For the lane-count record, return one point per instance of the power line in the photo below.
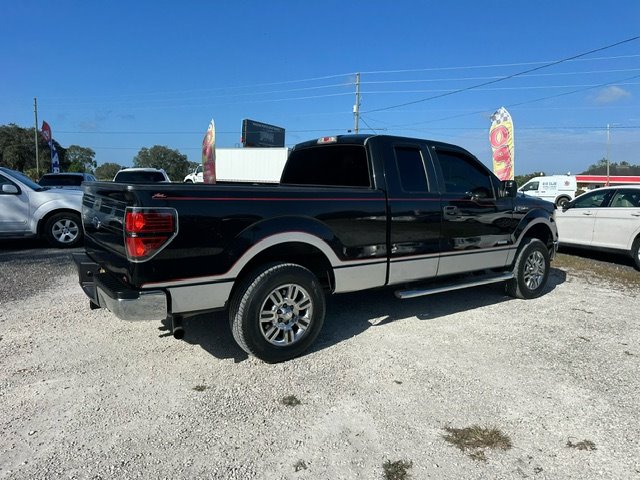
(478, 112)
(502, 79)
(450, 79)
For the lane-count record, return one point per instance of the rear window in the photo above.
(328, 165)
(61, 180)
(139, 177)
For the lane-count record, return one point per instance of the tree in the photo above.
(107, 171)
(522, 179)
(18, 150)
(81, 159)
(622, 168)
(171, 161)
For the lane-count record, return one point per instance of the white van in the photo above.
(559, 189)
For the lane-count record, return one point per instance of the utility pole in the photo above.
(356, 107)
(35, 136)
(608, 148)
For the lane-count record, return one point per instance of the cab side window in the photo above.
(463, 175)
(530, 186)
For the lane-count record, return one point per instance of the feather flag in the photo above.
(48, 137)
(501, 138)
(209, 154)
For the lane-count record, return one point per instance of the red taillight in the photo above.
(147, 231)
(149, 222)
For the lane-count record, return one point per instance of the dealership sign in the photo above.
(258, 134)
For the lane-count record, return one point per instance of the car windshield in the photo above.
(22, 178)
(62, 180)
(139, 177)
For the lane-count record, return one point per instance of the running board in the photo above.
(402, 294)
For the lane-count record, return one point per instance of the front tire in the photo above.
(531, 270)
(63, 230)
(277, 312)
(635, 253)
(562, 201)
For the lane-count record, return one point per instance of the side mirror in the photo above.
(510, 188)
(10, 189)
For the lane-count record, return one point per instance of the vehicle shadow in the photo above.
(609, 257)
(351, 314)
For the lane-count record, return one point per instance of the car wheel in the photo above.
(63, 230)
(562, 201)
(188, 181)
(277, 312)
(531, 270)
(635, 253)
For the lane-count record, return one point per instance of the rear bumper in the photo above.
(124, 302)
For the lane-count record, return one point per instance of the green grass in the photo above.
(290, 401)
(398, 470)
(596, 271)
(476, 440)
(582, 445)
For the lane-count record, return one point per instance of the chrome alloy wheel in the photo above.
(286, 314)
(65, 230)
(534, 270)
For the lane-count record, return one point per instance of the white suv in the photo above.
(605, 219)
(195, 176)
(31, 210)
(141, 175)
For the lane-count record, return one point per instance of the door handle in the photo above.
(587, 213)
(635, 214)
(450, 210)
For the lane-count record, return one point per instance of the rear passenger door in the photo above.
(477, 223)
(414, 212)
(617, 224)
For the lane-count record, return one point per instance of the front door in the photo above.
(477, 223)
(14, 209)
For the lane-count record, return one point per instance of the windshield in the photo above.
(137, 176)
(62, 180)
(22, 178)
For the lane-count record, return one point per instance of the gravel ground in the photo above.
(84, 395)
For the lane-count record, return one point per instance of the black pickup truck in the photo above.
(352, 212)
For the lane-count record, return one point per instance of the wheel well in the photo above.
(43, 221)
(541, 232)
(302, 254)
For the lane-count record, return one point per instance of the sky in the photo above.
(118, 76)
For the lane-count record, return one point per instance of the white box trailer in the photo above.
(559, 189)
(262, 165)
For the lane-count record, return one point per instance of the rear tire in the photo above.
(531, 270)
(562, 201)
(63, 230)
(277, 312)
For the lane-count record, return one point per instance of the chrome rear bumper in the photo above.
(124, 302)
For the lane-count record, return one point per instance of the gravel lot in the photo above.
(84, 395)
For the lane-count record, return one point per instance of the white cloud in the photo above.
(611, 94)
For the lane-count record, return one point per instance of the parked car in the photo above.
(141, 175)
(31, 210)
(195, 176)
(606, 219)
(66, 180)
